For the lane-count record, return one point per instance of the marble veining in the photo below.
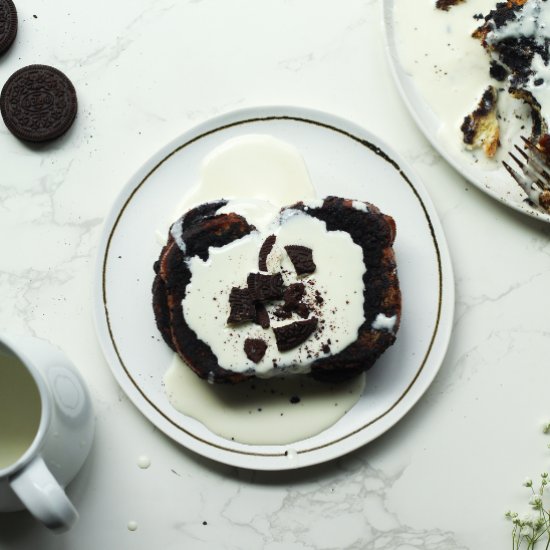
(443, 477)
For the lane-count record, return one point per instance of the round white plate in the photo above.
(343, 159)
(495, 182)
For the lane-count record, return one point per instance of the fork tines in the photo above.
(525, 181)
(534, 178)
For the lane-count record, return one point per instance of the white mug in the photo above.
(46, 429)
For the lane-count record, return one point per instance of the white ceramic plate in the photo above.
(343, 159)
(496, 182)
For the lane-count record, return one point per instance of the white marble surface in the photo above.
(145, 72)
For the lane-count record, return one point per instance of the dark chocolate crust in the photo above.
(201, 228)
(161, 306)
(374, 232)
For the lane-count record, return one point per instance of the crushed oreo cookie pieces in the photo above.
(302, 310)
(249, 304)
(498, 71)
(262, 317)
(292, 335)
(301, 258)
(265, 250)
(293, 294)
(282, 313)
(293, 297)
(241, 306)
(265, 287)
(318, 298)
(255, 349)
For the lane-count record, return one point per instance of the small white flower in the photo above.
(536, 501)
(526, 530)
(528, 482)
(546, 427)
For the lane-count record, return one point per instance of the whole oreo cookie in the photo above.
(8, 24)
(38, 103)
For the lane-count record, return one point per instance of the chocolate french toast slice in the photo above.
(199, 229)
(160, 297)
(277, 310)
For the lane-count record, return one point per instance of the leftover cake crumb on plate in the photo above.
(469, 93)
(365, 170)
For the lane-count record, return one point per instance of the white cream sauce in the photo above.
(206, 305)
(261, 412)
(260, 174)
(255, 167)
(383, 322)
(20, 409)
(450, 70)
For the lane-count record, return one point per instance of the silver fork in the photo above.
(534, 178)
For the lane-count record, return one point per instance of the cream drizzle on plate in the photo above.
(269, 170)
(278, 411)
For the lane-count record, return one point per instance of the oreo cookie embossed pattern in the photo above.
(38, 103)
(8, 24)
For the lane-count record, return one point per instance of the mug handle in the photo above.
(43, 496)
